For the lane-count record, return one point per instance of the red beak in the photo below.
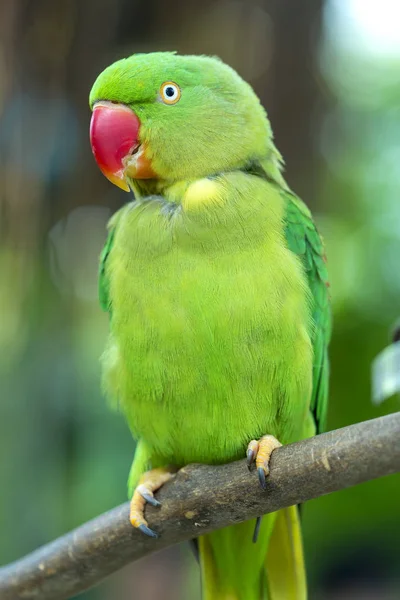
(114, 131)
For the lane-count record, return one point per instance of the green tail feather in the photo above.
(286, 574)
(234, 568)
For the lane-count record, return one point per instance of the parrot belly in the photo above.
(209, 345)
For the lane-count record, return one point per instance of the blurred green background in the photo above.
(328, 73)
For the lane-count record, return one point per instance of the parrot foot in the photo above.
(150, 482)
(259, 451)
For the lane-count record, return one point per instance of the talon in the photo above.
(261, 477)
(147, 531)
(250, 458)
(148, 495)
(151, 500)
(149, 483)
(251, 454)
(256, 530)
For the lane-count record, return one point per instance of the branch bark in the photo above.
(202, 498)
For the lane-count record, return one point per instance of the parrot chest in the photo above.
(210, 341)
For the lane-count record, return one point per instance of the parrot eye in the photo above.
(170, 92)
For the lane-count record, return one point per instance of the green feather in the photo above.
(303, 239)
(104, 292)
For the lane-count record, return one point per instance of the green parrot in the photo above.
(215, 280)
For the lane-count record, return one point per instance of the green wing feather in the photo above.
(104, 295)
(304, 240)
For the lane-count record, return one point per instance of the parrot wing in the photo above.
(285, 561)
(304, 240)
(104, 284)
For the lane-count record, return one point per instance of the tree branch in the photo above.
(203, 498)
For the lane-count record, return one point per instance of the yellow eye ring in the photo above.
(170, 92)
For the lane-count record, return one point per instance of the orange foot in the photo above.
(150, 482)
(260, 452)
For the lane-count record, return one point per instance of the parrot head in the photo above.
(168, 117)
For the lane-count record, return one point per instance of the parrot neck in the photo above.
(170, 190)
(268, 167)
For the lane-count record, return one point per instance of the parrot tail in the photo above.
(235, 568)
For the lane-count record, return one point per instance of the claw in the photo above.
(148, 495)
(256, 529)
(250, 458)
(147, 531)
(251, 453)
(151, 500)
(261, 477)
